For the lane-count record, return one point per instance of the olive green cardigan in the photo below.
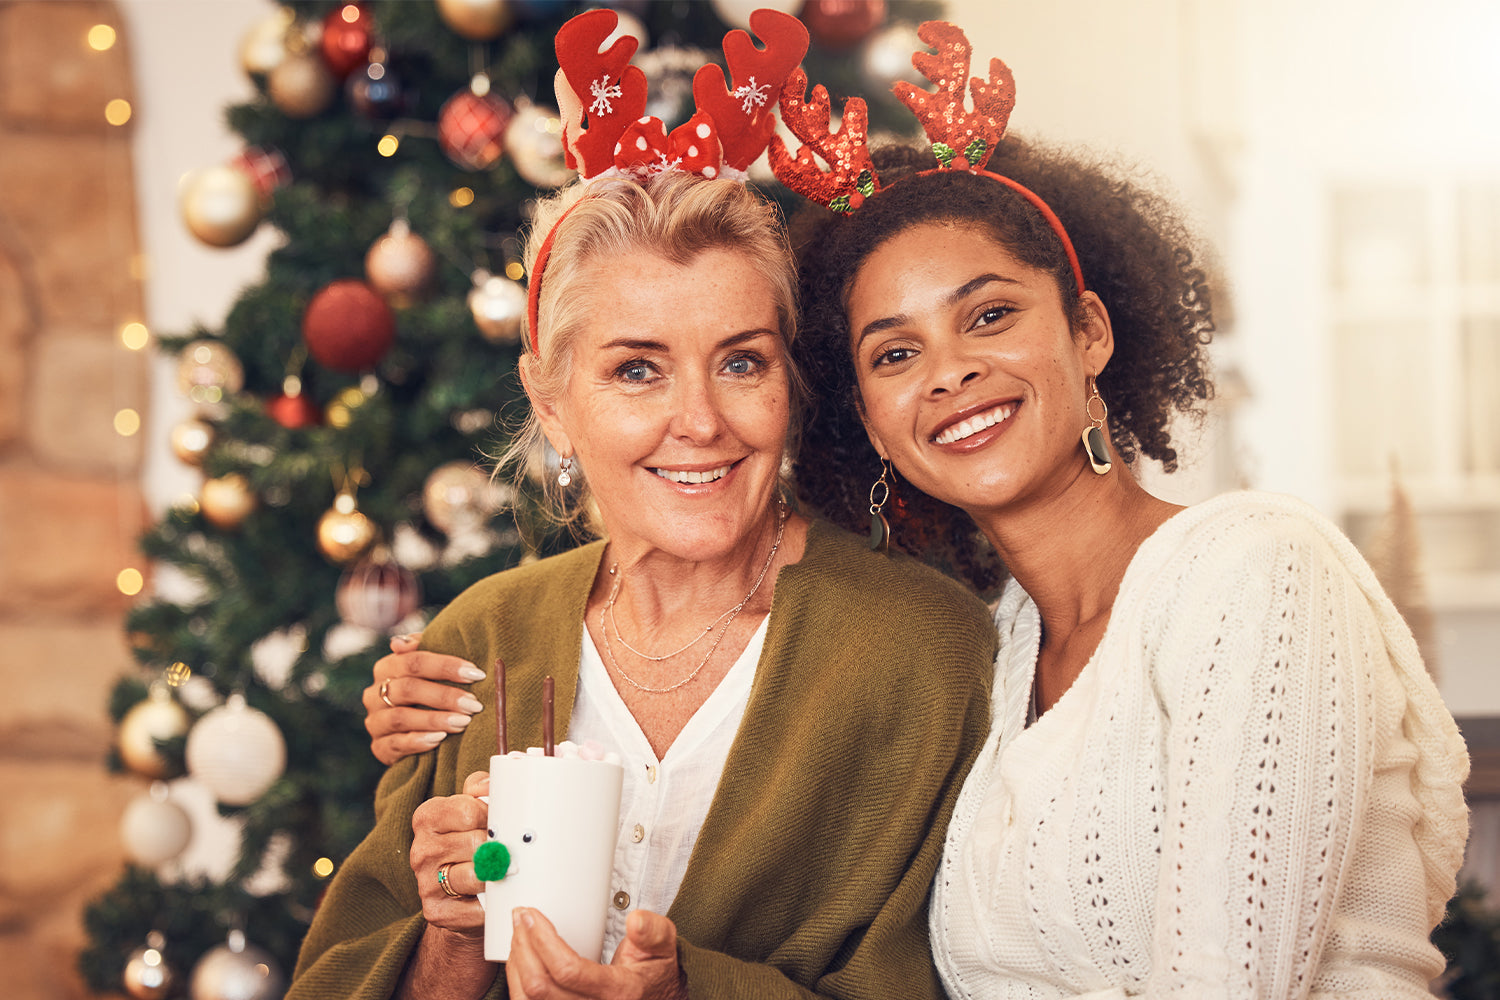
(812, 870)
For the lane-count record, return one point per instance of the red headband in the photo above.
(961, 139)
(728, 131)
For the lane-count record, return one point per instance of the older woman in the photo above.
(780, 824)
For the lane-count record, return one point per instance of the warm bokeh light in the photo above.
(350, 13)
(130, 581)
(388, 145)
(127, 422)
(117, 112)
(178, 674)
(323, 867)
(135, 336)
(101, 37)
(515, 271)
(461, 197)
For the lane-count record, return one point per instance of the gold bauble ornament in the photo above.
(191, 440)
(533, 141)
(479, 20)
(208, 371)
(460, 495)
(400, 265)
(302, 86)
(498, 306)
(344, 534)
(158, 718)
(147, 974)
(265, 44)
(220, 205)
(227, 501)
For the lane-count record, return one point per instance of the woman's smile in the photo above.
(962, 427)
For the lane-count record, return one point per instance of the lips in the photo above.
(971, 425)
(692, 476)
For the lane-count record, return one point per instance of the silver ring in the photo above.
(385, 688)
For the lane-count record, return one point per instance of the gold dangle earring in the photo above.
(880, 528)
(1094, 444)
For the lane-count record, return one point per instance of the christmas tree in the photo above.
(344, 414)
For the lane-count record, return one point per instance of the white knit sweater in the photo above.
(1252, 789)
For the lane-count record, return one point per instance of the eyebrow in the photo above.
(646, 344)
(951, 299)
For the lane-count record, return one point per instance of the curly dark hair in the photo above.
(1136, 255)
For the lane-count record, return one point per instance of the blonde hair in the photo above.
(673, 215)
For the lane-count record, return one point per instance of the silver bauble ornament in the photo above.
(237, 971)
(886, 56)
(158, 718)
(153, 828)
(220, 205)
(236, 752)
(533, 141)
(400, 265)
(498, 305)
(147, 974)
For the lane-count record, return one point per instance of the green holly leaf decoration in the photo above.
(840, 204)
(974, 151)
(943, 152)
(865, 184)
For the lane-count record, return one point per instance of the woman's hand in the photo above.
(543, 967)
(407, 710)
(445, 833)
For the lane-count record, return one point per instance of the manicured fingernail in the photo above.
(470, 704)
(431, 739)
(458, 721)
(521, 916)
(403, 637)
(469, 672)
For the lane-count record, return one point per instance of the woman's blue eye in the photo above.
(740, 366)
(635, 372)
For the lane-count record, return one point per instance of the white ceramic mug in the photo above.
(559, 818)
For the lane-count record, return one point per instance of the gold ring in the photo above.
(443, 879)
(385, 696)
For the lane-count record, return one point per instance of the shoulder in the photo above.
(547, 586)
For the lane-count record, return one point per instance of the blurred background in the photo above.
(1341, 159)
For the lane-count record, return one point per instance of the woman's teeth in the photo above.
(674, 476)
(975, 424)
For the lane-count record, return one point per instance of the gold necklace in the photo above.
(727, 617)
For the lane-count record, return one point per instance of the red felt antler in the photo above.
(745, 115)
(850, 178)
(603, 84)
(960, 138)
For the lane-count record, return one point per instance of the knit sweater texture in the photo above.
(1252, 790)
(812, 871)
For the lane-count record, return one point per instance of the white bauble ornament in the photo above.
(220, 205)
(460, 495)
(498, 305)
(736, 13)
(400, 265)
(236, 752)
(153, 828)
(265, 44)
(147, 974)
(157, 718)
(533, 141)
(887, 53)
(237, 971)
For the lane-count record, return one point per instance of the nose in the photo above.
(953, 366)
(697, 418)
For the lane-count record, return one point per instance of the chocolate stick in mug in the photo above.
(547, 715)
(500, 746)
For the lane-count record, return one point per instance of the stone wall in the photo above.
(70, 507)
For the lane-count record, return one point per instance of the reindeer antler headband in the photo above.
(602, 101)
(961, 139)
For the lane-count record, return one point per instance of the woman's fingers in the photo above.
(412, 704)
(445, 833)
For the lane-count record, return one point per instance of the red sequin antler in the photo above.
(960, 138)
(850, 178)
(603, 84)
(745, 115)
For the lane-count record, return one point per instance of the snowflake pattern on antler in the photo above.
(603, 92)
(752, 96)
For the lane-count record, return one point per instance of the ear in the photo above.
(1095, 336)
(545, 408)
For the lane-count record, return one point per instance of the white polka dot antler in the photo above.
(603, 100)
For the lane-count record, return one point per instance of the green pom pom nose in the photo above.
(491, 861)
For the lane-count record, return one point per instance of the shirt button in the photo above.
(638, 834)
(621, 900)
(651, 774)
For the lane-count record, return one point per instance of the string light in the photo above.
(515, 271)
(178, 674)
(127, 422)
(134, 336)
(388, 145)
(101, 37)
(323, 867)
(117, 111)
(461, 197)
(130, 581)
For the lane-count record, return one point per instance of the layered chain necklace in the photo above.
(722, 623)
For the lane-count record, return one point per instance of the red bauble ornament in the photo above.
(348, 327)
(842, 24)
(471, 128)
(346, 38)
(266, 168)
(294, 412)
(377, 593)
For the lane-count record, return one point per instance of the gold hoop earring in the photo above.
(880, 528)
(1095, 445)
